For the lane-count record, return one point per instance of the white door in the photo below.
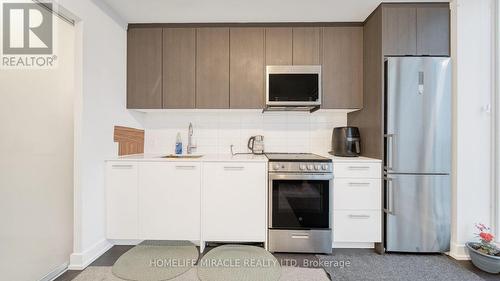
(169, 201)
(234, 202)
(121, 200)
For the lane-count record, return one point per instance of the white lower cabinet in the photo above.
(357, 203)
(234, 202)
(121, 200)
(169, 200)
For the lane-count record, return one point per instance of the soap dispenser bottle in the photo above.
(178, 144)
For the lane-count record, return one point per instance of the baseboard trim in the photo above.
(56, 272)
(125, 242)
(458, 252)
(79, 261)
(353, 245)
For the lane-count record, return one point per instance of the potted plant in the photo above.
(485, 254)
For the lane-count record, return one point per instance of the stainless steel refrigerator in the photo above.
(417, 154)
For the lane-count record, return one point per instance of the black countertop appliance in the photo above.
(346, 142)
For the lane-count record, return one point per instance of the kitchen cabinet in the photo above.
(144, 68)
(342, 67)
(121, 200)
(179, 58)
(279, 46)
(357, 203)
(416, 29)
(212, 67)
(399, 30)
(234, 202)
(169, 200)
(247, 68)
(306, 45)
(433, 30)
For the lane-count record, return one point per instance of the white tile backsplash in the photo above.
(215, 131)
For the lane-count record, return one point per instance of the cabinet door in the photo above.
(399, 30)
(306, 45)
(234, 202)
(247, 68)
(212, 68)
(121, 200)
(144, 68)
(279, 42)
(342, 67)
(169, 201)
(433, 31)
(179, 58)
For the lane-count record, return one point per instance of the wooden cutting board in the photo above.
(130, 140)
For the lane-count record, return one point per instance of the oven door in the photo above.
(300, 201)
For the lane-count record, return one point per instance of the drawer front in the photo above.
(357, 170)
(357, 194)
(357, 226)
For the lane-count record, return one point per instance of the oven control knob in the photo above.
(317, 167)
(302, 167)
(325, 167)
(310, 167)
(276, 166)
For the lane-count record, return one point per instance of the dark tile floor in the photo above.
(301, 260)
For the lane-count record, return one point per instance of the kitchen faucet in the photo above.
(190, 145)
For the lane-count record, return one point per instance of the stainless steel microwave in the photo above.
(293, 85)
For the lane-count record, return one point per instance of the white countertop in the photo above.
(229, 158)
(337, 159)
(204, 158)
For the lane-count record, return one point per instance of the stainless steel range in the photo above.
(300, 203)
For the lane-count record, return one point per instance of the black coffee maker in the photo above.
(346, 142)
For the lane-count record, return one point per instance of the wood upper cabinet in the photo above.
(279, 42)
(306, 45)
(179, 66)
(212, 67)
(342, 67)
(433, 30)
(247, 68)
(144, 68)
(399, 30)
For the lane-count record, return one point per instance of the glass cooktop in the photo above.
(296, 157)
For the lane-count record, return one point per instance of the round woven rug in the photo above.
(239, 263)
(156, 261)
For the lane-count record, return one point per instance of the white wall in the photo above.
(472, 53)
(36, 165)
(215, 131)
(101, 81)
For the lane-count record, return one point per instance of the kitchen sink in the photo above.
(182, 156)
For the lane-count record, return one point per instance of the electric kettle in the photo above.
(256, 144)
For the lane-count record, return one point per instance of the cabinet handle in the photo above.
(185, 167)
(359, 216)
(229, 168)
(359, 167)
(122, 166)
(359, 183)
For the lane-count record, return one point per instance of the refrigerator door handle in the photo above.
(389, 196)
(390, 152)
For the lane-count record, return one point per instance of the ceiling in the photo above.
(198, 11)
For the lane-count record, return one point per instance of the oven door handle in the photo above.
(293, 176)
